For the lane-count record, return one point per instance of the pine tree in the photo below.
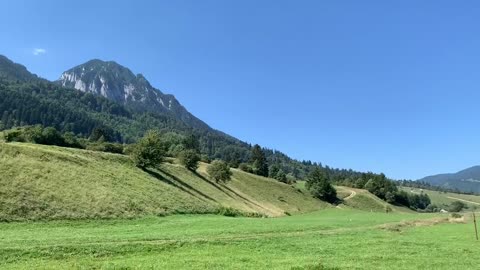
(259, 161)
(320, 187)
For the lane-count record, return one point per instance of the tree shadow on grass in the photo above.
(179, 184)
(227, 188)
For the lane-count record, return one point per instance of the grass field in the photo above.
(47, 182)
(77, 209)
(328, 239)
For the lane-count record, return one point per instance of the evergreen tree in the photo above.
(320, 187)
(259, 162)
(191, 142)
(273, 171)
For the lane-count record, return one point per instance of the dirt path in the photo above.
(453, 198)
(351, 195)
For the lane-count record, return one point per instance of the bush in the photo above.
(205, 158)
(15, 135)
(149, 151)
(456, 206)
(456, 215)
(431, 208)
(232, 212)
(219, 171)
(190, 159)
(51, 136)
(72, 141)
(35, 134)
(229, 212)
(245, 167)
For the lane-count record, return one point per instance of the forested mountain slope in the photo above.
(467, 180)
(123, 106)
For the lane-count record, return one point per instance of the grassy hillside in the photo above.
(359, 199)
(329, 239)
(47, 182)
(445, 198)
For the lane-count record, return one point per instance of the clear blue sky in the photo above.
(385, 86)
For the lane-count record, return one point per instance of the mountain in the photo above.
(13, 71)
(104, 96)
(27, 100)
(120, 84)
(467, 180)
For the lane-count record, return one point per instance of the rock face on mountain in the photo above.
(120, 84)
(467, 180)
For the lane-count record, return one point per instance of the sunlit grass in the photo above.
(334, 239)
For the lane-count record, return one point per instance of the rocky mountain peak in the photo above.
(120, 84)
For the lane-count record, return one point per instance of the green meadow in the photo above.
(66, 208)
(328, 239)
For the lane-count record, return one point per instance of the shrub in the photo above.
(456, 215)
(456, 206)
(205, 158)
(15, 135)
(230, 212)
(245, 167)
(51, 136)
(72, 141)
(219, 171)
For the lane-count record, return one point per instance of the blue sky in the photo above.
(383, 86)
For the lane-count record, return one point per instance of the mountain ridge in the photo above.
(118, 83)
(466, 180)
(11, 70)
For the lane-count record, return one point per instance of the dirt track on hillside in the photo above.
(453, 198)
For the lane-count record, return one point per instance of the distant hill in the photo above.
(65, 183)
(467, 180)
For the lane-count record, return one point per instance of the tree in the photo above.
(320, 187)
(259, 162)
(51, 136)
(101, 134)
(390, 197)
(281, 176)
(219, 171)
(379, 185)
(33, 134)
(191, 142)
(189, 158)
(149, 151)
(273, 171)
